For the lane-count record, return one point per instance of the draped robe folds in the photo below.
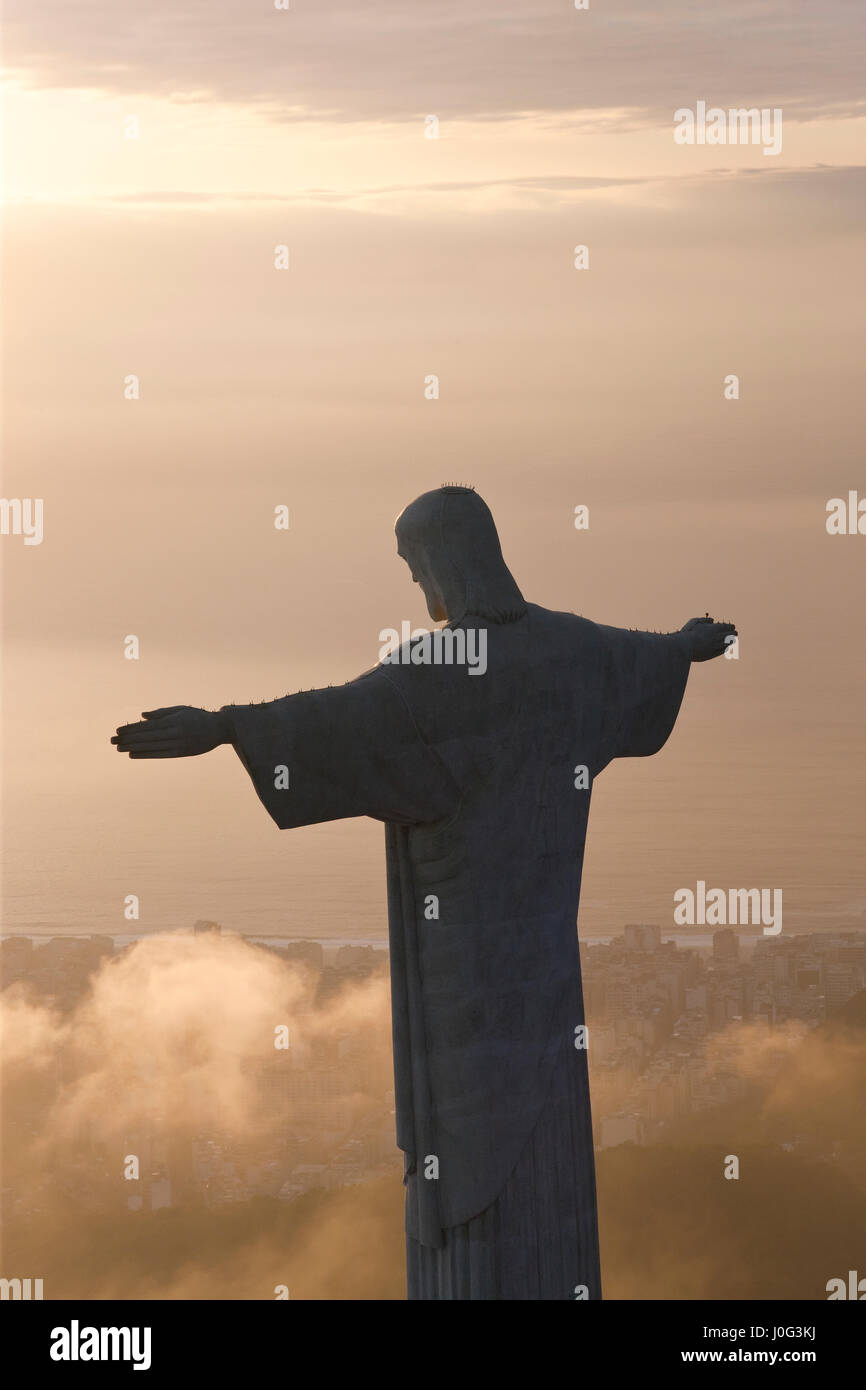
(477, 778)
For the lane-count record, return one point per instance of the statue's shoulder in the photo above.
(569, 627)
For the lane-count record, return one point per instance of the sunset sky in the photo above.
(411, 256)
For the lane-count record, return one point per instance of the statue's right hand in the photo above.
(177, 731)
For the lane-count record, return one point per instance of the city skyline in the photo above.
(241, 1122)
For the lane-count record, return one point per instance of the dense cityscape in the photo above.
(664, 1030)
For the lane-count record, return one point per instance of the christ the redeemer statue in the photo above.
(483, 779)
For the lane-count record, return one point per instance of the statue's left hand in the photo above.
(178, 731)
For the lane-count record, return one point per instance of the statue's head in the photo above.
(448, 539)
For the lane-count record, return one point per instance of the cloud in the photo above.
(841, 189)
(484, 60)
(553, 184)
(169, 1035)
(164, 1044)
(169, 1046)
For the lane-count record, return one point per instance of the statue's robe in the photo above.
(478, 778)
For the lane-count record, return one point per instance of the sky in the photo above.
(154, 256)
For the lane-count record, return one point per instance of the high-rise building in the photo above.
(305, 953)
(641, 937)
(726, 946)
(841, 983)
